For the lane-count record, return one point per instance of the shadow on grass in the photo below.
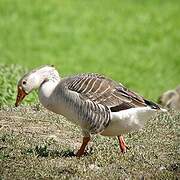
(43, 151)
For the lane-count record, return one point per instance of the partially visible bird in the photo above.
(97, 104)
(171, 99)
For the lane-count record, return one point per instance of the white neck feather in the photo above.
(47, 74)
(48, 80)
(52, 96)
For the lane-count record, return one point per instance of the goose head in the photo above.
(33, 80)
(166, 97)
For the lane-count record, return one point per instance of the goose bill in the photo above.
(20, 96)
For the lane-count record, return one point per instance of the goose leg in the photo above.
(83, 146)
(122, 144)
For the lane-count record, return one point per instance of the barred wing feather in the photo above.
(101, 90)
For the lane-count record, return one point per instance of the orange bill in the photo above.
(20, 96)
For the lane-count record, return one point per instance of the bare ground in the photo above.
(37, 144)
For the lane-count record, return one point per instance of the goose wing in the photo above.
(102, 90)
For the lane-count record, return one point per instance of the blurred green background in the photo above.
(134, 42)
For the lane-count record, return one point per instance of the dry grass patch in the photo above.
(37, 144)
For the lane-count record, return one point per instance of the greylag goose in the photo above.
(171, 99)
(97, 104)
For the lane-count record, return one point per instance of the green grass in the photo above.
(36, 144)
(134, 42)
(9, 76)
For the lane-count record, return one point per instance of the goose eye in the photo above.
(24, 82)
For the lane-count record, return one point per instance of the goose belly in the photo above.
(129, 120)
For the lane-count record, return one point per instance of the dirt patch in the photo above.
(35, 144)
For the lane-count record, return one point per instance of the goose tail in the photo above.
(154, 106)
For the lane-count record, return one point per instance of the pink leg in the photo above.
(83, 146)
(122, 144)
